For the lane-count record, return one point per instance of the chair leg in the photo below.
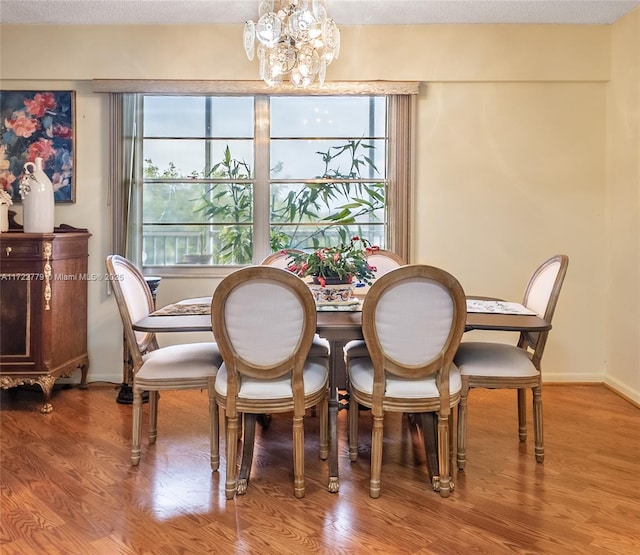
(452, 445)
(214, 427)
(522, 414)
(153, 416)
(353, 430)
(136, 426)
(376, 455)
(445, 485)
(232, 453)
(324, 428)
(461, 455)
(248, 444)
(429, 425)
(298, 456)
(537, 423)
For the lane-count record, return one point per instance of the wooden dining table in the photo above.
(339, 327)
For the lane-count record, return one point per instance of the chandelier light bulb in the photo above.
(294, 38)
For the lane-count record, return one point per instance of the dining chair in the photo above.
(320, 346)
(383, 261)
(264, 320)
(155, 369)
(493, 365)
(413, 318)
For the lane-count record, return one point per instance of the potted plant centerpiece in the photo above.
(335, 270)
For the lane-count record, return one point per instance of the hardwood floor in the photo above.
(68, 487)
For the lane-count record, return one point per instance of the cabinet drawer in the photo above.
(20, 249)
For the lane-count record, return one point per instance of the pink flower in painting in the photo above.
(21, 124)
(40, 149)
(41, 103)
(62, 131)
(6, 180)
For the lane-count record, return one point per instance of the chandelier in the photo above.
(297, 40)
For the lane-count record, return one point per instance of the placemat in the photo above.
(497, 307)
(183, 309)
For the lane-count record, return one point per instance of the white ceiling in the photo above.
(345, 12)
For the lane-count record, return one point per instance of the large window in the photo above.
(221, 180)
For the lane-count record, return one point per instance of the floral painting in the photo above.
(37, 124)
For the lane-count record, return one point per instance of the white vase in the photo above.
(4, 217)
(38, 204)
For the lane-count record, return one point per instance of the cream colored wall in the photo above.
(510, 151)
(622, 249)
(508, 175)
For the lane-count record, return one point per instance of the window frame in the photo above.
(401, 116)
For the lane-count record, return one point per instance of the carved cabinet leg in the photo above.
(46, 384)
(84, 368)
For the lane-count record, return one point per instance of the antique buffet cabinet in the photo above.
(43, 308)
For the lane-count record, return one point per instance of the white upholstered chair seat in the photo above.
(476, 358)
(319, 347)
(356, 349)
(189, 361)
(315, 375)
(361, 376)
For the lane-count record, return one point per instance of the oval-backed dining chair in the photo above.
(320, 346)
(175, 367)
(492, 365)
(383, 261)
(264, 320)
(279, 259)
(413, 318)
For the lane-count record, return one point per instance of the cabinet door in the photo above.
(19, 313)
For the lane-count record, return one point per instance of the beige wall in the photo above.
(622, 225)
(511, 155)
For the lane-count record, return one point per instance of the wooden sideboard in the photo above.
(43, 308)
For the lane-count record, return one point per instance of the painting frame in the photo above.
(38, 124)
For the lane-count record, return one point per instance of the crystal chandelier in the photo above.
(298, 40)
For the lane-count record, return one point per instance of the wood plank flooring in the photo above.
(68, 487)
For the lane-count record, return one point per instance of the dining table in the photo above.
(339, 325)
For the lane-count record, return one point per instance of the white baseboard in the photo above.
(111, 377)
(622, 389)
(573, 377)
